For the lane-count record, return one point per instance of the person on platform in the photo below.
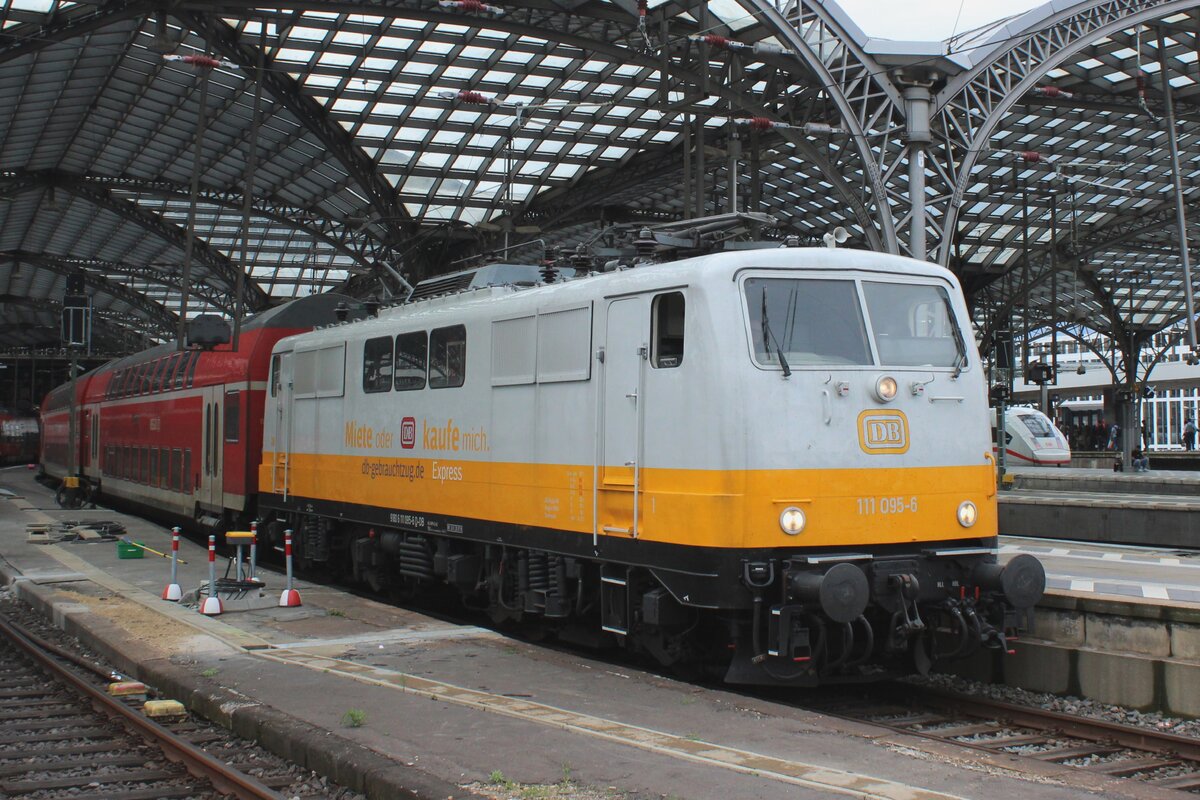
(1141, 461)
(1189, 434)
(1114, 437)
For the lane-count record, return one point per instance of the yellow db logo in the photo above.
(883, 432)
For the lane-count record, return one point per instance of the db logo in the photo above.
(408, 433)
(883, 432)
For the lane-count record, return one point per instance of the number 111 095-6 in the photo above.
(887, 505)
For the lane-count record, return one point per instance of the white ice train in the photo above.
(772, 461)
(1031, 438)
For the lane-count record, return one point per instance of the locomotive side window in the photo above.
(447, 357)
(275, 377)
(377, 364)
(804, 322)
(233, 416)
(412, 349)
(914, 325)
(666, 326)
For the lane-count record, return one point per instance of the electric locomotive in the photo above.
(769, 462)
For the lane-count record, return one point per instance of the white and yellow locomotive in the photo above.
(774, 461)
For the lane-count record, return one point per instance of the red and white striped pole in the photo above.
(173, 591)
(254, 550)
(290, 596)
(212, 604)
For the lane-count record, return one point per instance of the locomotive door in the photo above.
(209, 491)
(625, 354)
(281, 388)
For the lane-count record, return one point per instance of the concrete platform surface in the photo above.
(1168, 575)
(445, 705)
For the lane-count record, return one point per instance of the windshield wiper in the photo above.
(961, 362)
(769, 337)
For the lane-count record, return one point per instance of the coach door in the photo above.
(211, 486)
(622, 403)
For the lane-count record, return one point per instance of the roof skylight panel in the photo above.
(417, 68)
(331, 58)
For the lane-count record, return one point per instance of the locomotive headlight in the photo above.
(885, 389)
(967, 513)
(792, 520)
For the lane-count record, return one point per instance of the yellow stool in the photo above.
(239, 539)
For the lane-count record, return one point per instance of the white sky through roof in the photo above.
(929, 20)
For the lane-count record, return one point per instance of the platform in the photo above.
(447, 705)
(1156, 508)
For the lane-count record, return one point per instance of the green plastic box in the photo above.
(127, 550)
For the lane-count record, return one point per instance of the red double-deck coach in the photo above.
(178, 431)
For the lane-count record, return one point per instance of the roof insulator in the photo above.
(472, 6)
(467, 96)
(713, 40)
(725, 43)
(1052, 91)
(809, 128)
(1031, 156)
(208, 62)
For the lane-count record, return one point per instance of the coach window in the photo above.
(154, 466)
(411, 351)
(169, 373)
(187, 470)
(159, 372)
(447, 357)
(377, 364)
(183, 365)
(233, 416)
(144, 378)
(667, 330)
(164, 467)
(191, 372)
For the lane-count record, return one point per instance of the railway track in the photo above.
(1157, 759)
(62, 735)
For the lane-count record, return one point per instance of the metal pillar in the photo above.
(1177, 180)
(917, 100)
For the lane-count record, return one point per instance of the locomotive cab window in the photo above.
(447, 357)
(806, 322)
(914, 325)
(275, 377)
(667, 330)
(377, 364)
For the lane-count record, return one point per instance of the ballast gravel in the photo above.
(1151, 720)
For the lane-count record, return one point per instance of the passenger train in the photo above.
(773, 463)
(1032, 439)
(19, 437)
